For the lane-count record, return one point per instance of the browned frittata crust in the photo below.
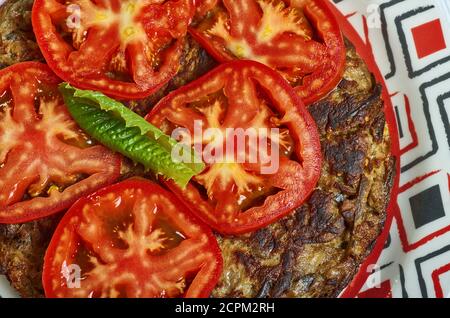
(317, 250)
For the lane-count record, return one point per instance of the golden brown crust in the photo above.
(17, 42)
(22, 249)
(317, 250)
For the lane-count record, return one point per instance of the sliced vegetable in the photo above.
(46, 161)
(126, 49)
(237, 196)
(131, 240)
(122, 130)
(299, 38)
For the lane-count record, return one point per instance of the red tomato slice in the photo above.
(299, 38)
(134, 240)
(46, 162)
(126, 49)
(237, 196)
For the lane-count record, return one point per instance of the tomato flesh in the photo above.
(236, 196)
(46, 162)
(203, 6)
(126, 49)
(133, 240)
(300, 39)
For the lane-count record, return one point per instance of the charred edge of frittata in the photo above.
(316, 251)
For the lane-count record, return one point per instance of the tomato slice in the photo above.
(126, 49)
(46, 162)
(299, 38)
(134, 240)
(236, 196)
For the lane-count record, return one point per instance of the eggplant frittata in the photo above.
(316, 251)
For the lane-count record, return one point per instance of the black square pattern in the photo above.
(427, 206)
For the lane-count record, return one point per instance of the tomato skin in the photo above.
(328, 74)
(72, 219)
(219, 55)
(335, 65)
(299, 182)
(86, 70)
(28, 129)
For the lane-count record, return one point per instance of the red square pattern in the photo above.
(429, 38)
(383, 291)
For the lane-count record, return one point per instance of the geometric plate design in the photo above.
(411, 46)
